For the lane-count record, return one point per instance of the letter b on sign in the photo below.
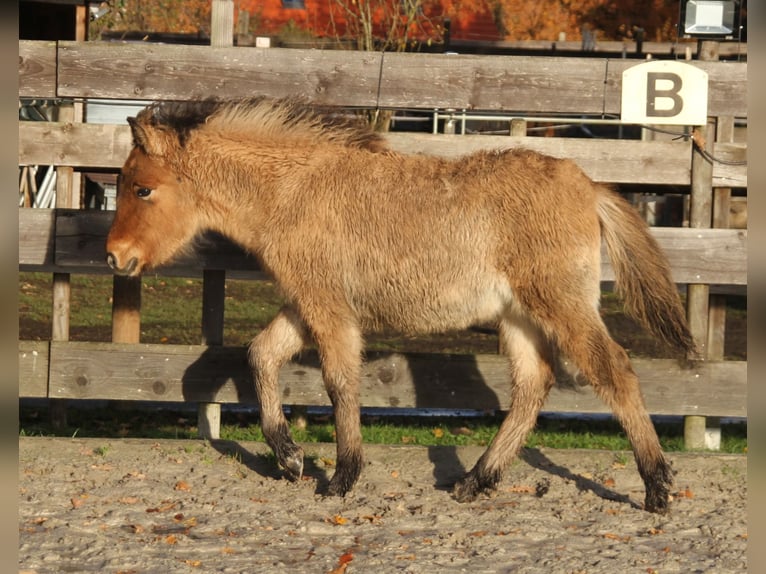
(664, 92)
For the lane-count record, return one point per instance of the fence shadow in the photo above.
(204, 379)
(447, 466)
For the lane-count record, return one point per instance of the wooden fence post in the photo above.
(214, 281)
(62, 290)
(700, 216)
(222, 23)
(126, 309)
(213, 298)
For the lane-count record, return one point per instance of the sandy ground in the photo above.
(137, 506)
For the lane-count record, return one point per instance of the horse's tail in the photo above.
(642, 273)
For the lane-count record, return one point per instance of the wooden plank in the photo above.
(33, 368)
(725, 175)
(542, 84)
(713, 256)
(37, 232)
(73, 144)
(477, 82)
(81, 242)
(716, 256)
(221, 374)
(612, 161)
(37, 69)
(727, 86)
(175, 72)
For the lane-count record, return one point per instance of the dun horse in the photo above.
(359, 237)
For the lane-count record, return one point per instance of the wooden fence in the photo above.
(65, 241)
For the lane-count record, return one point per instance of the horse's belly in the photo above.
(440, 308)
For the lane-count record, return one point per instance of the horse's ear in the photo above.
(152, 139)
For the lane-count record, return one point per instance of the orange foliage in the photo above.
(492, 19)
(470, 19)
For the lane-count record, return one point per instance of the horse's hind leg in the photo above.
(275, 345)
(531, 358)
(583, 337)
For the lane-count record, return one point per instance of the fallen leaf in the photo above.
(78, 501)
(653, 531)
(408, 439)
(611, 536)
(465, 431)
(438, 433)
(228, 550)
(328, 462)
(520, 488)
(609, 482)
(182, 485)
(346, 558)
(338, 520)
(193, 563)
(171, 539)
(394, 474)
(166, 505)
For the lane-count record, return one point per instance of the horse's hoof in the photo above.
(293, 465)
(344, 479)
(658, 504)
(462, 492)
(337, 488)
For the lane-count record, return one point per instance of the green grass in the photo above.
(551, 432)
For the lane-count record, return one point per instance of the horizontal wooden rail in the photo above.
(612, 161)
(143, 372)
(347, 78)
(67, 240)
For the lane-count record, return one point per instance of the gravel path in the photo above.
(140, 506)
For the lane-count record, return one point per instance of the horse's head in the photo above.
(155, 216)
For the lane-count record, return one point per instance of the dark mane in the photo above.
(261, 116)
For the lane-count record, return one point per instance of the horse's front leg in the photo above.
(273, 347)
(340, 349)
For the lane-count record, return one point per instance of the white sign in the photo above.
(664, 92)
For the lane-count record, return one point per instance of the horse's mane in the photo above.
(260, 117)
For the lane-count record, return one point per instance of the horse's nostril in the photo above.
(111, 261)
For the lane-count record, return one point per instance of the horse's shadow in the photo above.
(206, 377)
(204, 380)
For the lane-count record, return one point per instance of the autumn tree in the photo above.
(611, 19)
(169, 16)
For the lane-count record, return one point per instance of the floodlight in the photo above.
(709, 19)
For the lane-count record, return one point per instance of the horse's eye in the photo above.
(143, 192)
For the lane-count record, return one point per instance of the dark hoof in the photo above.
(345, 478)
(468, 488)
(292, 464)
(658, 485)
(463, 492)
(657, 501)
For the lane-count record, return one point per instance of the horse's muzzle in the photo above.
(128, 269)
